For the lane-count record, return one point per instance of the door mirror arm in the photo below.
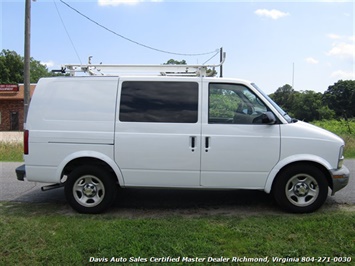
(268, 118)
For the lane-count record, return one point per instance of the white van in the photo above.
(93, 134)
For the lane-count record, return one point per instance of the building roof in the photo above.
(16, 95)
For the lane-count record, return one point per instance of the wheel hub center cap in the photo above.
(301, 189)
(89, 190)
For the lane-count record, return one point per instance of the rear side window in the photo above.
(159, 102)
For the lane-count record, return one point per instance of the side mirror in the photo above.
(268, 118)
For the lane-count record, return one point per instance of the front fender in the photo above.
(293, 159)
(90, 154)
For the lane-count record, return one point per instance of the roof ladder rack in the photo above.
(165, 70)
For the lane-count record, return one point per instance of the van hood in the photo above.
(309, 131)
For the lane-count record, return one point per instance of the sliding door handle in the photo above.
(207, 143)
(192, 143)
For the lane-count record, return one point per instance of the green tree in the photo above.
(284, 96)
(37, 71)
(305, 105)
(340, 97)
(12, 68)
(175, 62)
(308, 106)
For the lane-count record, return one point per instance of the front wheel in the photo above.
(301, 188)
(90, 189)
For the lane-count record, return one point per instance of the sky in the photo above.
(307, 44)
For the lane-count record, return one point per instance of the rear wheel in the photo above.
(90, 189)
(301, 188)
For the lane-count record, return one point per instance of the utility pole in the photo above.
(26, 82)
(220, 60)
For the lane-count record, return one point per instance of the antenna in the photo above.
(221, 55)
(293, 75)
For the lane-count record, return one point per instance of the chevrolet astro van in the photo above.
(93, 134)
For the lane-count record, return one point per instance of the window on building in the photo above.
(159, 102)
(14, 121)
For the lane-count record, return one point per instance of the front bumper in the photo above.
(21, 172)
(340, 178)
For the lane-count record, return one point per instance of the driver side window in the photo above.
(234, 104)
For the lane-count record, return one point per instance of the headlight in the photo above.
(341, 157)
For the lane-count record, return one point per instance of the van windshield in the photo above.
(278, 108)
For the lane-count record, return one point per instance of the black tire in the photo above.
(300, 188)
(90, 189)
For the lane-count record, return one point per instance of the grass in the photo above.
(11, 151)
(349, 150)
(39, 234)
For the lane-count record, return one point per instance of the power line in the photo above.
(132, 41)
(217, 52)
(65, 28)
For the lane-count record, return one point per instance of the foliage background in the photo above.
(12, 68)
(338, 101)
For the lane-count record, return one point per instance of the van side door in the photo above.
(157, 135)
(238, 149)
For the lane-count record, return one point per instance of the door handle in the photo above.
(192, 143)
(207, 143)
